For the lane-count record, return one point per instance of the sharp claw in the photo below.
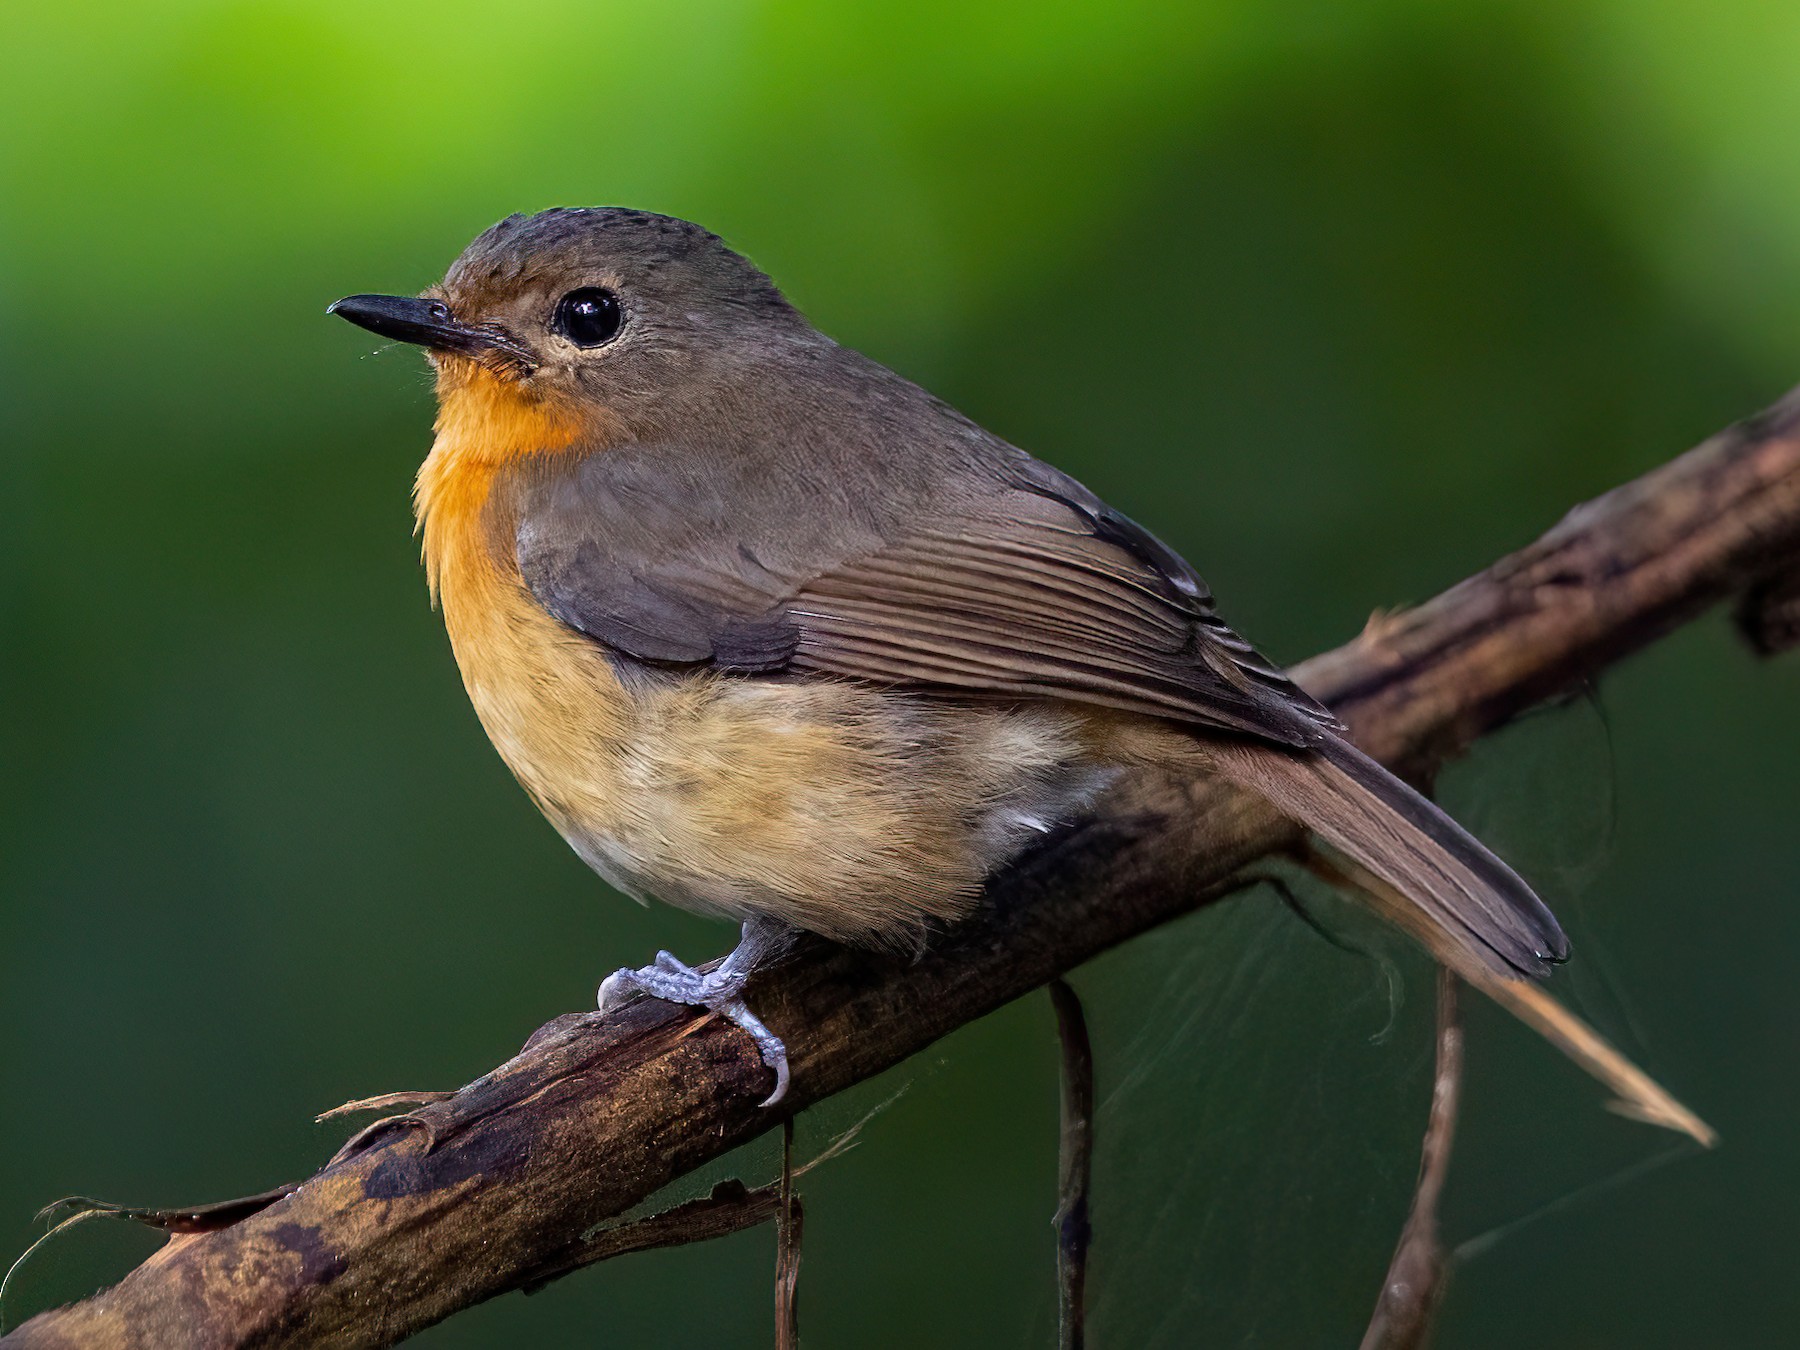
(615, 989)
(623, 985)
(781, 1084)
(768, 1044)
(673, 981)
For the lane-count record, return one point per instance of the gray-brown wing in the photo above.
(1011, 580)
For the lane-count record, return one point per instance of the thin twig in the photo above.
(209, 1218)
(1415, 1277)
(382, 1103)
(731, 1207)
(1074, 1225)
(788, 1223)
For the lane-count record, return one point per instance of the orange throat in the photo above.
(485, 423)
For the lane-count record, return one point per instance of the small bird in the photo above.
(769, 632)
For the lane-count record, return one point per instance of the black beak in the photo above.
(429, 323)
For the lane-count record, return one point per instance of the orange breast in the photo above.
(546, 696)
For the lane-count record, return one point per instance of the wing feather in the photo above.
(1012, 580)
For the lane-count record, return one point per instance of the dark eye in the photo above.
(589, 316)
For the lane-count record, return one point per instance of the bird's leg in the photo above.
(720, 991)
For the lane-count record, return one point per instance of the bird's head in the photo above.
(580, 326)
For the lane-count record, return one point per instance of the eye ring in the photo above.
(589, 317)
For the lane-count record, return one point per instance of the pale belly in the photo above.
(857, 813)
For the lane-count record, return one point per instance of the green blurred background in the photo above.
(1342, 299)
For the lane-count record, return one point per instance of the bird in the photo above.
(769, 632)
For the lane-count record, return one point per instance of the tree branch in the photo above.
(472, 1196)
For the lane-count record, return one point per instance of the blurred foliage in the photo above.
(1341, 299)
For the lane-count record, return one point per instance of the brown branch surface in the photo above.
(597, 1112)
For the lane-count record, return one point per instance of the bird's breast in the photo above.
(848, 810)
(547, 697)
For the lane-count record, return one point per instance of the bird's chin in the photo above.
(489, 417)
(458, 370)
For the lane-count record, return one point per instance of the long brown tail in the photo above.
(1460, 889)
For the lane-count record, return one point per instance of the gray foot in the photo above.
(720, 991)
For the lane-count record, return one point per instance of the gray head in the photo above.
(601, 307)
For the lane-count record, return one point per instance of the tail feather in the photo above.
(1460, 888)
(1429, 876)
